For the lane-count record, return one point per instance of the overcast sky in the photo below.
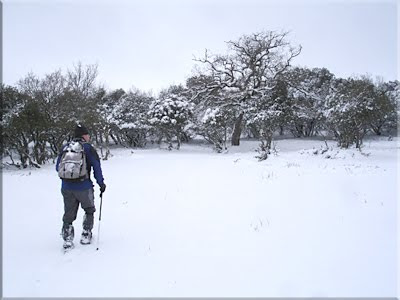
(150, 44)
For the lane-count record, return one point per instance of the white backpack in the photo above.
(73, 165)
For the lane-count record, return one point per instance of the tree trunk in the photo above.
(254, 131)
(237, 131)
(179, 140)
(225, 138)
(108, 152)
(116, 141)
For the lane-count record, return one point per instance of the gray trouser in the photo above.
(72, 199)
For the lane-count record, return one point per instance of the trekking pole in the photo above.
(98, 232)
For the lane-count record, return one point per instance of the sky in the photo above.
(151, 44)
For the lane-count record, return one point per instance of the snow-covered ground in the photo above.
(196, 223)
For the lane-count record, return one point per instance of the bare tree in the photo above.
(81, 79)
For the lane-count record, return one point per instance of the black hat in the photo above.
(80, 130)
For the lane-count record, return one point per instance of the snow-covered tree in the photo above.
(349, 110)
(214, 127)
(130, 115)
(133, 119)
(50, 107)
(104, 125)
(23, 129)
(308, 91)
(182, 92)
(170, 117)
(266, 114)
(251, 67)
(50, 95)
(279, 101)
(213, 117)
(386, 104)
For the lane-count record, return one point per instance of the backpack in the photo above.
(73, 166)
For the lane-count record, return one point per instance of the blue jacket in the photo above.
(93, 160)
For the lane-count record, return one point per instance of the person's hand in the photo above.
(102, 188)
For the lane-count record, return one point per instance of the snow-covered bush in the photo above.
(213, 126)
(169, 118)
(130, 115)
(350, 110)
(385, 118)
(266, 117)
(308, 90)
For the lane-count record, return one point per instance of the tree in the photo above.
(266, 115)
(385, 104)
(214, 127)
(130, 115)
(84, 96)
(248, 70)
(23, 129)
(308, 90)
(350, 109)
(169, 117)
(50, 94)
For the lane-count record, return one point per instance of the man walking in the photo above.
(74, 165)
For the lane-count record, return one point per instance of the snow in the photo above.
(211, 115)
(196, 223)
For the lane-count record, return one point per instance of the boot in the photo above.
(86, 237)
(68, 232)
(68, 236)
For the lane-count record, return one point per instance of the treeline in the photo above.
(252, 90)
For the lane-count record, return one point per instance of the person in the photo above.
(80, 191)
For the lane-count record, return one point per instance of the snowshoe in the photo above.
(68, 245)
(86, 237)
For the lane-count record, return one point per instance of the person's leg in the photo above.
(86, 198)
(71, 205)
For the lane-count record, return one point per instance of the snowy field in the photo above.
(197, 223)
